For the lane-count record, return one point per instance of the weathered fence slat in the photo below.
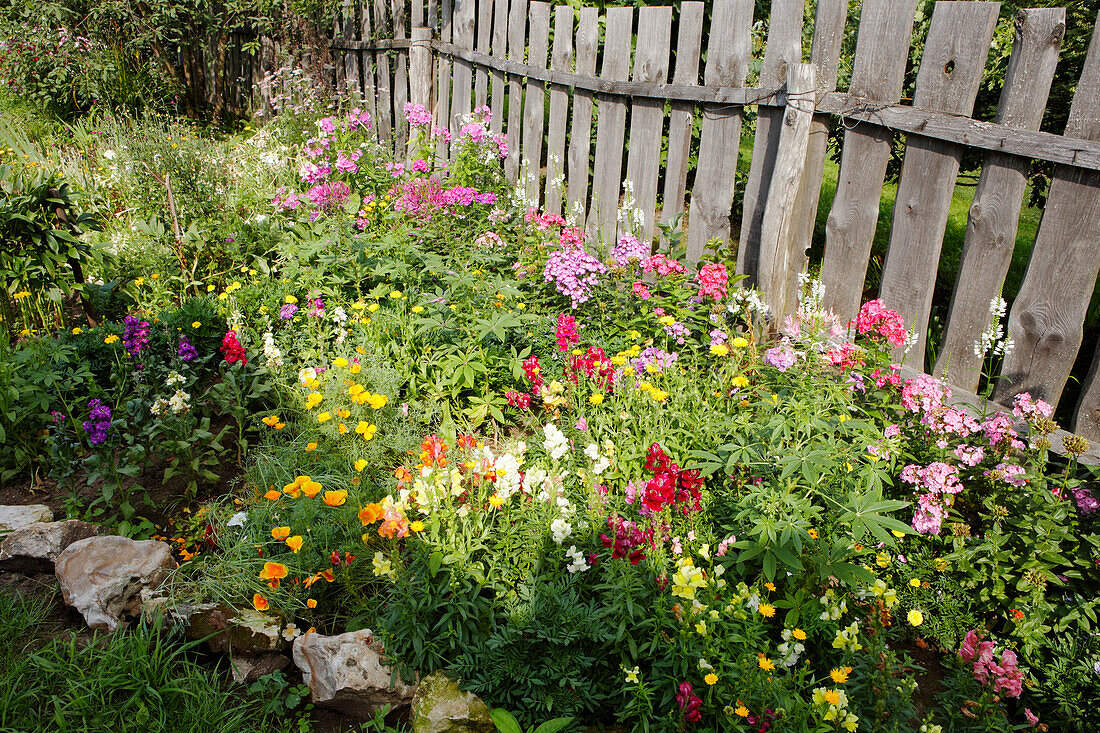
(780, 251)
(689, 45)
(580, 138)
(948, 79)
(995, 212)
(442, 111)
(401, 79)
(534, 104)
(825, 57)
(366, 61)
(484, 42)
(1046, 321)
(561, 59)
(728, 50)
(647, 116)
(352, 81)
(610, 125)
(463, 79)
(420, 67)
(382, 71)
(882, 48)
(517, 46)
(784, 49)
(500, 50)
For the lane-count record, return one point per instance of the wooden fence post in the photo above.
(1047, 320)
(561, 59)
(995, 211)
(948, 79)
(882, 49)
(420, 65)
(580, 141)
(689, 44)
(781, 252)
(728, 50)
(783, 51)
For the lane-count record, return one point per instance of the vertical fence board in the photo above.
(882, 48)
(420, 66)
(610, 124)
(689, 46)
(580, 137)
(950, 72)
(484, 45)
(825, 57)
(561, 59)
(500, 50)
(784, 49)
(1046, 321)
(443, 79)
(534, 105)
(352, 82)
(400, 79)
(382, 71)
(647, 116)
(517, 45)
(728, 49)
(366, 62)
(781, 253)
(995, 212)
(462, 87)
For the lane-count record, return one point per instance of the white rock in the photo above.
(36, 547)
(347, 672)
(17, 516)
(102, 577)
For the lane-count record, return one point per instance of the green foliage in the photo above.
(138, 680)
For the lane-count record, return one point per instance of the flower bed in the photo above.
(585, 479)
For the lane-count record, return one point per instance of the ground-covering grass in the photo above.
(585, 480)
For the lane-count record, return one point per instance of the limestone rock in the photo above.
(232, 631)
(440, 706)
(248, 669)
(14, 516)
(346, 672)
(36, 547)
(102, 577)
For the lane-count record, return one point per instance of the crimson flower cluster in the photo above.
(595, 365)
(627, 539)
(670, 486)
(689, 702)
(232, 349)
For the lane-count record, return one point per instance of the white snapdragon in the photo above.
(174, 379)
(508, 477)
(555, 443)
(578, 564)
(272, 356)
(534, 478)
(560, 530)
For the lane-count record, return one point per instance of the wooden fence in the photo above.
(591, 97)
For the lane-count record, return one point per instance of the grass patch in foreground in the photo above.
(139, 680)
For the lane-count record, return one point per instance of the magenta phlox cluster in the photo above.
(417, 115)
(924, 394)
(712, 281)
(652, 356)
(876, 319)
(1025, 408)
(940, 482)
(424, 198)
(663, 266)
(1005, 675)
(329, 195)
